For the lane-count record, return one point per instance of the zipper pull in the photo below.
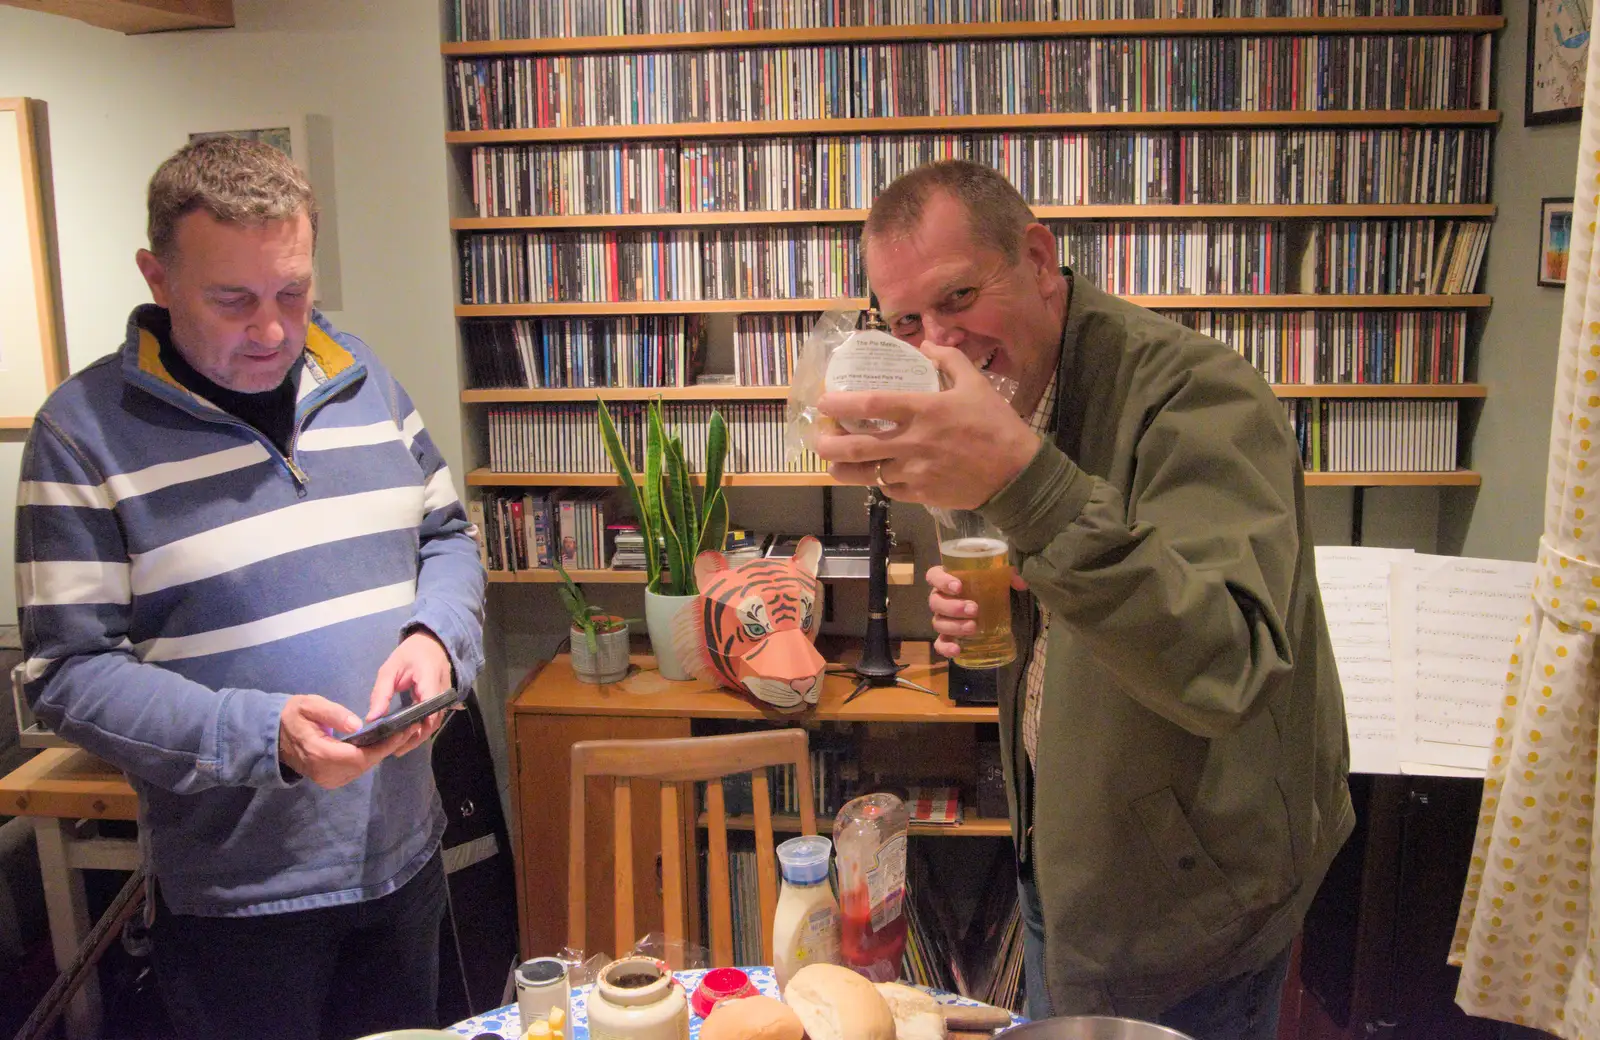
(299, 475)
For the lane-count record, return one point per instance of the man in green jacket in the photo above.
(1173, 731)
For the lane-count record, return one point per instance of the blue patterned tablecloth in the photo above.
(507, 1024)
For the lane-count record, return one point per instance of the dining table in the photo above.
(506, 1024)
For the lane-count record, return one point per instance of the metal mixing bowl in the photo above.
(1091, 1027)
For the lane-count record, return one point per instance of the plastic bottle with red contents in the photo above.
(869, 840)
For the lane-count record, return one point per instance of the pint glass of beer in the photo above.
(976, 553)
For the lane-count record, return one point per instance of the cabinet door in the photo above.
(543, 761)
(1435, 852)
(1373, 953)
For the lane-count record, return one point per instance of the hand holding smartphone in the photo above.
(392, 723)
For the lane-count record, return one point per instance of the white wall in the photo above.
(1517, 357)
(118, 105)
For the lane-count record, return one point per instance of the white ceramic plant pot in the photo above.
(608, 663)
(661, 621)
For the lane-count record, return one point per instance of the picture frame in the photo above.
(32, 345)
(1558, 60)
(288, 136)
(1555, 240)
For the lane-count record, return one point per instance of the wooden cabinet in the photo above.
(553, 711)
(542, 764)
(1374, 947)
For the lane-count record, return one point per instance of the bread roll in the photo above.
(752, 1018)
(917, 1016)
(835, 1003)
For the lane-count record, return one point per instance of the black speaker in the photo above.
(478, 938)
(976, 685)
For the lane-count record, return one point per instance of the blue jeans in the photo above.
(1244, 1007)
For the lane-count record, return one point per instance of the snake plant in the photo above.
(669, 513)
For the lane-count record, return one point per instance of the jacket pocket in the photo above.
(1198, 884)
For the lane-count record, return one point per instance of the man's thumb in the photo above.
(326, 713)
(955, 366)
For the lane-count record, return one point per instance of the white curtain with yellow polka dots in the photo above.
(1528, 939)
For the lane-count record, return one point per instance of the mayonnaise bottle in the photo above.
(805, 927)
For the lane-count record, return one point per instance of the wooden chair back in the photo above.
(677, 764)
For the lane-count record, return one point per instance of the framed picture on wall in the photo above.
(1555, 240)
(1558, 61)
(32, 355)
(283, 138)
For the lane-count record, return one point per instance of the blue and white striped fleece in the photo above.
(179, 577)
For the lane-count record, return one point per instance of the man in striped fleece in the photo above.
(235, 539)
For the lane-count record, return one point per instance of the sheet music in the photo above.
(1468, 612)
(1355, 598)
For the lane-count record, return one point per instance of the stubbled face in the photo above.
(937, 284)
(240, 297)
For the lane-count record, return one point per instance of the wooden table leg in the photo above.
(67, 907)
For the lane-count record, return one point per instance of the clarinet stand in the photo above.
(877, 666)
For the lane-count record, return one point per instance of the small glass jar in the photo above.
(636, 998)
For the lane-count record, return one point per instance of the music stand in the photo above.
(877, 666)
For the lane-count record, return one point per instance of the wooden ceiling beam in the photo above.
(138, 16)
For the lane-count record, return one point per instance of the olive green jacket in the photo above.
(1192, 753)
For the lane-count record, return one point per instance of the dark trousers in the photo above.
(332, 973)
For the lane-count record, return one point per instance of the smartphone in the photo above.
(392, 723)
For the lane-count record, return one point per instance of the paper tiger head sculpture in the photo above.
(754, 627)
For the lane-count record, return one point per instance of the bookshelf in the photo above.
(551, 166)
(748, 305)
(1042, 121)
(779, 393)
(485, 478)
(1106, 211)
(979, 30)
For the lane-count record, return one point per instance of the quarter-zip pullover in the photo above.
(180, 576)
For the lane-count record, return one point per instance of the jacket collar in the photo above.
(328, 365)
(1072, 369)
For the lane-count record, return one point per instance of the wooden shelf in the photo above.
(976, 827)
(1387, 391)
(1458, 478)
(630, 393)
(956, 124)
(1152, 211)
(550, 688)
(976, 31)
(902, 571)
(1444, 391)
(485, 478)
(1212, 302)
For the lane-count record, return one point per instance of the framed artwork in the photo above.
(1558, 61)
(32, 358)
(1555, 240)
(280, 137)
